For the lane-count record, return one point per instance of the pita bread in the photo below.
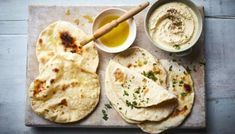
(62, 36)
(141, 61)
(63, 92)
(137, 104)
(180, 83)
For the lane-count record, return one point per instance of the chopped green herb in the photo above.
(132, 105)
(134, 96)
(129, 104)
(174, 81)
(107, 106)
(105, 115)
(183, 94)
(125, 93)
(145, 62)
(120, 108)
(177, 47)
(170, 68)
(137, 90)
(143, 54)
(161, 81)
(150, 75)
(147, 100)
(181, 82)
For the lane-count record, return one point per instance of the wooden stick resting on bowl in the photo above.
(109, 26)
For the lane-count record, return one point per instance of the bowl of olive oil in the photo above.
(119, 38)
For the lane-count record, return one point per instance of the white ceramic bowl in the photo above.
(157, 4)
(132, 30)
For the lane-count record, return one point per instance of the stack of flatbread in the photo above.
(154, 94)
(67, 88)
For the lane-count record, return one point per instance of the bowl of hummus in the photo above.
(173, 26)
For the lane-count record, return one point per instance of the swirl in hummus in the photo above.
(173, 26)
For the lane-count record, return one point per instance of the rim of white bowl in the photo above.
(130, 39)
(193, 6)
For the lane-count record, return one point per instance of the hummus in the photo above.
(173, 26)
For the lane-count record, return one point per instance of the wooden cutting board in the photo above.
(41, 16)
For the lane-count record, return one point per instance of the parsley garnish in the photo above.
(125, 93)
(170, 68)
(177, 47)
(134, 96)
(137, 90)
(107, 106)
(174, 81)
(150, 75)
(183, 94)
(145, 62)
(132, 105)
(181, 82)
(105, 115)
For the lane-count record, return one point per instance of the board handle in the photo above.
(109, 26)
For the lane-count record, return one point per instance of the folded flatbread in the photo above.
(143, 62)
(179, 83)
(135, 96)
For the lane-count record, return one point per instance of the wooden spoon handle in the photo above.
(109, 26)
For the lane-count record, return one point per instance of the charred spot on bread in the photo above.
(56, 70)
(38, 86)
(119, 75)
(52, 81)
(69, 43)
(40, 41)
(129, 65)
(63, 102)
(181, 111)
(187, 87)
(67, 39)
(43, 60)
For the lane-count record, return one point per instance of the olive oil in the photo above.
(117, 36)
